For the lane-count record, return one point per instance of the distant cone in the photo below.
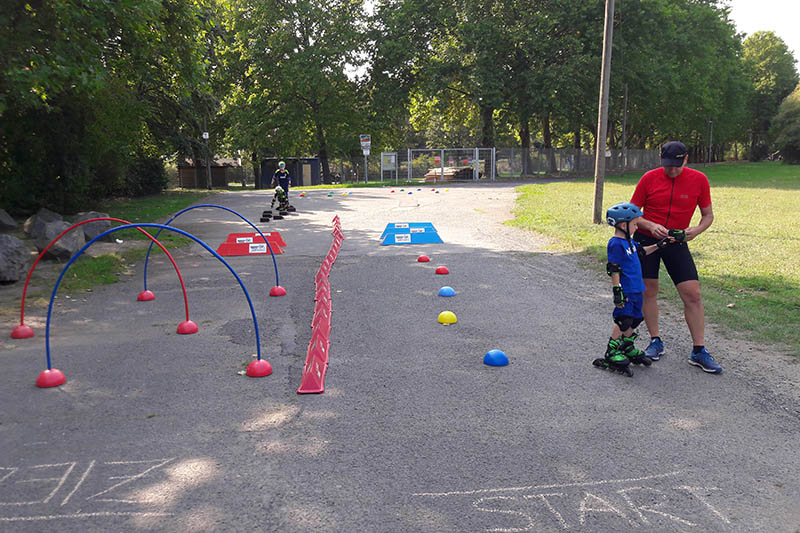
(447, 318)
(442, 270)
(423, 259)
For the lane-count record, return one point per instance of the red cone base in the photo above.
(187, 328)
(259, 368)
(277, 290)
(442, 270)
(146, 296)
(50, 378)
(423, 259)
(22, 331)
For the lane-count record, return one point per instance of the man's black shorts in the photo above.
(677, 260)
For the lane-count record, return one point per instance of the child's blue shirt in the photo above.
(623, 253)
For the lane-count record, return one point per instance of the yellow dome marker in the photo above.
(447, 318)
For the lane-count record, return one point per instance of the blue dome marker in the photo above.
(495, 358)
(447, 291)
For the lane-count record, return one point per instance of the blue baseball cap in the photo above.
(673, 154)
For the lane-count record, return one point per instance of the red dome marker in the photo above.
(50, 378)
(442, 270)
(187, 328)
(423, 259)
(23, 331)
(277, 290)
(146, 296)
(259, 368)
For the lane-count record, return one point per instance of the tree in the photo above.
(786, 128)
(84, 89)
(292, 93)
(771, 70)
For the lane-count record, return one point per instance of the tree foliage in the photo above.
(771, 69)
(96, 95)
(786, 128)
(91, 94)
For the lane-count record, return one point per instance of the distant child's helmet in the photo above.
(622, 212)
(282, 164)
(278, 190)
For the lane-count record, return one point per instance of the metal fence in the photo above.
(570, 161)
(438, 165)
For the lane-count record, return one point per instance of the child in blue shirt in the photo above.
(625, 271)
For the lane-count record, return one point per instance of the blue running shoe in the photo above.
(654, 349)
(703, 360)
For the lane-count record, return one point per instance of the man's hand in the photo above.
(619, 298)
(659, 231)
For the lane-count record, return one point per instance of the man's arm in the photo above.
(706, 218)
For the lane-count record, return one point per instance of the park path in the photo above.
(154, 431)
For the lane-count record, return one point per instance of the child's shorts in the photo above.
(633, 307)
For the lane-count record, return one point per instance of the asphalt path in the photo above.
(155, 431)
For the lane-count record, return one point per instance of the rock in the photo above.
(93, 229)
(6, 222)
(14, 259)
(34, 226)
(64, 247)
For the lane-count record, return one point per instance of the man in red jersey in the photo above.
(668, 196)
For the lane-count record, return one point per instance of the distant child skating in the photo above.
(283, 179)
(625, 271)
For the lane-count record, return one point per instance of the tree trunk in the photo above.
(256, 171)
(487, 126)
(322, 153)
(547, 138)
(525, 141)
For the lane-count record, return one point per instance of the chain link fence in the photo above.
(570, 161)
(441, 165)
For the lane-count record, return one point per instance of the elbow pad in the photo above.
(613, 268)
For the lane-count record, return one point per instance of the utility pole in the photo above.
(208, 154)
(625, 131)
(710, 139)
(602, 114)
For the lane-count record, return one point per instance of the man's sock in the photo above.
(655, 338)
(697, 349)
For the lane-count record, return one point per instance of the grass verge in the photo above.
(747, 260)
(105, 269)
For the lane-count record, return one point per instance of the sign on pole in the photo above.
(366, 141)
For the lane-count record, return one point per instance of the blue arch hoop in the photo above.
(271, 253)
(144, 225)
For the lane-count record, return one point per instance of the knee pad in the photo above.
(627, 322)
(624, 322)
